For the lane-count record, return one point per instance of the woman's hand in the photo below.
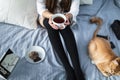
(69, 17)
(52, 25)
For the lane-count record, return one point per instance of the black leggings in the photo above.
(68, 37)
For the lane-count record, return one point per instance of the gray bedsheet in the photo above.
(19, 39)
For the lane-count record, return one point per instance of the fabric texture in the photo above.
(86, 2)
(19, 39)
(19, 12)
(117, 2)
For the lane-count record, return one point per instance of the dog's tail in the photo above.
(98, 21)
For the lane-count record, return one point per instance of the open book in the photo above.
(7, 63)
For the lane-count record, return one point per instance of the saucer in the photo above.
(38, 50)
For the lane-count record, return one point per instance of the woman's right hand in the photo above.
(52, 25)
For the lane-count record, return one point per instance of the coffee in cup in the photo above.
(59, 20)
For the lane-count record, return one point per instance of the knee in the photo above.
(45, 22)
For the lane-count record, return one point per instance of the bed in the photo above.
(19, 39)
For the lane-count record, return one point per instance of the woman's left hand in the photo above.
(68, 18)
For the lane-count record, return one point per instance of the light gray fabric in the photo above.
(19, 39)
(117, 2)
(86, 2)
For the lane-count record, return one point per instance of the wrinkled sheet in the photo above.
(19, 39)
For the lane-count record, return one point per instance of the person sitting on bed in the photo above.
(70, 8)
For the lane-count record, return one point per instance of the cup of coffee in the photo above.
(59, 20)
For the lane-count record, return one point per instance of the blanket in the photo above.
(19, 39)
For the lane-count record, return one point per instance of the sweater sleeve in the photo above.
(40, 7)
(74, 9)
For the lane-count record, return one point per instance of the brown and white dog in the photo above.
(101, 52)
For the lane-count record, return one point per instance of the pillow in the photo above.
(19, 12)
(86, 2)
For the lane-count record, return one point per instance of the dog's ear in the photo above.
(116, 61)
